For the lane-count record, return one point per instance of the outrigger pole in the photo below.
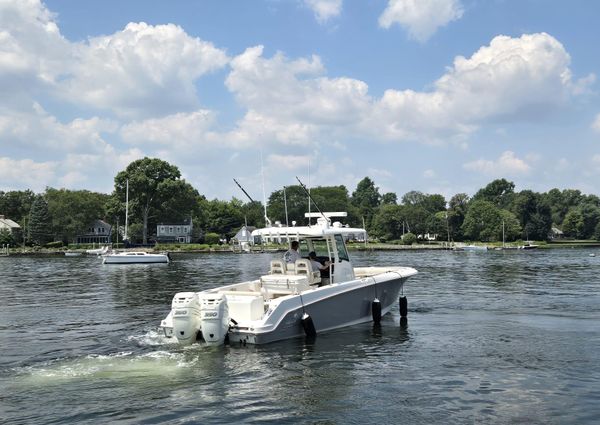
(245, 193)
(311, 199)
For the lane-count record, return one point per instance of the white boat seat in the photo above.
(277, 267)
(303, 267)
(245, 306)
(284, 284)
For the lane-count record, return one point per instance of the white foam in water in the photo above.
(122, 365)
(150, 339)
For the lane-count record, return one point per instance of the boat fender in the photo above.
(376, 311)
(309, 326)
(403, 307)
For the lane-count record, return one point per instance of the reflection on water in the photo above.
(502, 336)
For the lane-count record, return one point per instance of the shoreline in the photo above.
(370, 247)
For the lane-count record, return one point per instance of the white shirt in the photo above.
(291, 256)
(315, 265)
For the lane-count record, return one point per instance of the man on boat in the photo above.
(291, 255)
(316, 265)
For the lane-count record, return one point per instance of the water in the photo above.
(496, 337)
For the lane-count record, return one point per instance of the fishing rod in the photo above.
(311, 198)
(245, 193)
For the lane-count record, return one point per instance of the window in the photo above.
(185, 229)
(170, 229)
(178, 229)
(341, 248)
(162, 229)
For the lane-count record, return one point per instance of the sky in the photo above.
(438, 96)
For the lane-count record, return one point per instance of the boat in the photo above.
(470, 248)
(290, 300)
(134, 257)
(98, 251)
(528, 245)
(72, 254)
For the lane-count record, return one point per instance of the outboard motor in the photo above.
(215, 318)
(186, 316)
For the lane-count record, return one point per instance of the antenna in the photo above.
(262, 172)
(308, 191)
(311, 199)
(285, 204)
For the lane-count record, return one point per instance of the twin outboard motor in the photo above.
(215, 318)
(196, 315)
(186, 315)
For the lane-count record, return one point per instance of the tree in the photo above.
(16, 205)
(573, 223)
(153, 183)
(40, 222)
(366, 199)
(534, 214)
(6, 237)
(457, 210)
(389, 198)
(483, 221)
(72, 211)
(387, 222)
(512, 228)
(499, 192)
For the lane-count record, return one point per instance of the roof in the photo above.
(319, 230)
(7, 222)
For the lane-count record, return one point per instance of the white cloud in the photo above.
(512, 79)
(429, 174)
(288, 162)
(421, 18)
(36, 129)
(324, 9)
(596, 124)
(507, 164)
(26, 173)
(143, 70)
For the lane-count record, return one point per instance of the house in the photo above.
(97, 232)
(556, 233)
(245, 235)
(175, 232)
(8, 224)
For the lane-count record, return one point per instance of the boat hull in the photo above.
(330, 307)
(135, 259)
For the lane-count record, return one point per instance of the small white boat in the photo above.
(98, 251)
(471, 248)
(134, 257)
(528, 246)
(291, 300)
(72, 254)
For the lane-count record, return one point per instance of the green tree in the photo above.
(500, 192)
(389, 198)
(153, 184)
(6, 238)
(457, 210)
(16, 205)
(40, 222)
(73, 211)
(534, 214)
(222, 217)
(573, 223)
(387, 222)
(483, 221)
(512, 228)
(366, 199)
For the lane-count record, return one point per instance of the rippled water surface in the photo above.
(496, 337)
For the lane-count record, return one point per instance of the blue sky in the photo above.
(440, 96)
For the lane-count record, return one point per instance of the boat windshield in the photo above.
(341, 248)
(317, 245)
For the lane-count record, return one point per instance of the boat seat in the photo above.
(277, 267)
(303, 267)
(284, 284)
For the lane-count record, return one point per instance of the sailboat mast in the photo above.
(126, 209)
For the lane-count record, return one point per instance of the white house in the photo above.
(8, 224)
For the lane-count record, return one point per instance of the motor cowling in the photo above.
(215, 318)
(186, 315)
